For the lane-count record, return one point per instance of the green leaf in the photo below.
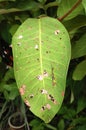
(78, 120)
(61, 124)
(42, 1)
(84, 4)
(4, 31)
(80, 71)
(83, 127)
(81, 104)
(41, 51)
(13, 29)
(50, 127)
(79, 48)
(69, 114)
(36, 124)
(9, 75)
(65, 6)
(75, 23)
(11, 90)
(19, 6)
(27, 5)
(6, 0)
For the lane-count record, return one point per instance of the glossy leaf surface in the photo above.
(41, 50)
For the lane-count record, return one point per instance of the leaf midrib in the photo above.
(40, 50)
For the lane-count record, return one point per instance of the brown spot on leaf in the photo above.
(38, 59)
(43, 91)
(45, 73)
(22, 89)
(48, 106)
(50, 97)
(40, 77)
(47, 52)
(29, 27)
(27, 103)
(43, 108)
(19, 43)
(53, 77)
(42, 42)
(63, 93)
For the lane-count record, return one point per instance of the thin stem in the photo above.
(73, 8)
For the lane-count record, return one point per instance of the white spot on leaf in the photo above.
(20, 37)
(57, 32)
(45, 74)
(36, 47)
(40, 77)
(43, 91)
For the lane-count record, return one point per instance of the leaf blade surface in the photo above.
(41, 50)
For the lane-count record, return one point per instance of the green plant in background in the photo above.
(72, 14)
(8, 86)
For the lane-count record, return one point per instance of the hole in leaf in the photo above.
(31, 96)
(57, 32)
